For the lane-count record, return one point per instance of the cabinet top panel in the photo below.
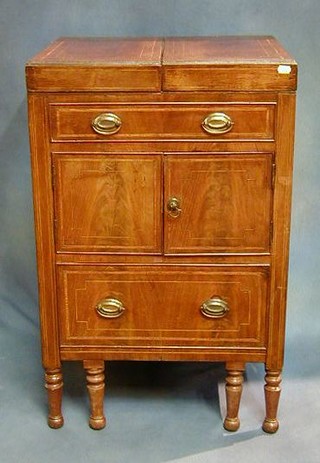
(233, 63)
(225, 50)
(93, 51)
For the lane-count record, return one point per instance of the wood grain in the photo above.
(225, 49)
(188, 64)
(229, 199)
(94, 51)
(226, 63)
(165, 353)
(95, 386)
(228, 77)
(162, 306)
(72, 122)
(272, 391)
(101, 218)
(43, 215)
(54, 387)
(108, 204)
(282, 214)
(75, 64)
(234, 381)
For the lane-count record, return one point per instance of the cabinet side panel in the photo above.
(282, 208)
(43, 212)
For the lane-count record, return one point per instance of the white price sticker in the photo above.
(284, 69)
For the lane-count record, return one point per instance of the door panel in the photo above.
(225, 203)
(108, 203)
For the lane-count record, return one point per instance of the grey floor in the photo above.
(157, 412)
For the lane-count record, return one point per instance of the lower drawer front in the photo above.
(157, 306)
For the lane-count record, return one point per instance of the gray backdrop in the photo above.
(157, 412)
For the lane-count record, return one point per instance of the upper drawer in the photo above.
(216, 121)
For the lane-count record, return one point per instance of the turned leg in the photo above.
(54, 386)
(234, 382)
(95, 385)
(272, 395)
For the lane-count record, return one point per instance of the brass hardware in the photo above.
(217, 123)
(173, 207)
(106, 124)
(214, 307)
(110, 308)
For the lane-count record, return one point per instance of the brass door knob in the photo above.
(110, 308)
(173, 207)
(214, 307)
(106, 124)
(217, 123)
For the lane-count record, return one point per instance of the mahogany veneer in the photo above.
(162, 173)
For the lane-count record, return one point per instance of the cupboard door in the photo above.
(218, 203)
(108, 203)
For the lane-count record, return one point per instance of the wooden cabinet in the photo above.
(162, 173)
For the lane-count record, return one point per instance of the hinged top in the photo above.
(94, 51)
(155, 64)
(225, 50)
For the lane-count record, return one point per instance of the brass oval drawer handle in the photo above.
(214, 307)
(217, 123)
(110, 308)
(106, 124)
(173, 207)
